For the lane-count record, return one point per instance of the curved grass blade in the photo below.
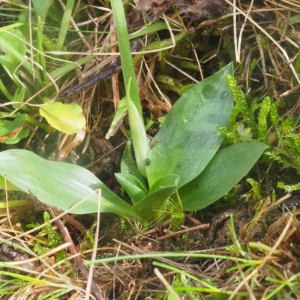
(65, 24)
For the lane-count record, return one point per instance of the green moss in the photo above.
(289, 188)
(274, 119)
(262, 120)
(250, 70)
(53, 239)
(240, 106)
(185, 64)
(170, 83)
(161, 44)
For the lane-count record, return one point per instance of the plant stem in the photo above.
(125, 52)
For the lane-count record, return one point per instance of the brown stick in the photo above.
(183, 231)
(155, 230)
(67, 238)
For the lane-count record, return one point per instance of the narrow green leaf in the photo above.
(11, 26)
(19, 97)
(189, 139)
(118, 118)
(225, 170)
(41, 48)
(152, 205)
(5, 92)
(128, 164)
(71, 66)
(18, 3)
(33, 121)
(65, 24)
(64, 117)
(138, 134)
(60, 184)
(185, 89)
(132, 186)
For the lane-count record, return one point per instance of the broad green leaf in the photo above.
(138, 134)
(164, 181)
(153, 204)
(9, 185)
(8, 126)
(128, 164)
(24, 24)
(13, 44)
(225, 170)
(16, 139)
(132, 186)
(189, 138)
(67, 118)
(118, 118)
(60, 184)
(41, 8)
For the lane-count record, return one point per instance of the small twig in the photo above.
(192, 219)
(277, 202)
(183, 231)
(271, 38)
(109, 152)
(30, 260)
(135, 237)
(107, 73)
(237, 57)
(164, 260)
(165, 283)
(90, 276)
(114, 278)
(67, 238)
(262, 56)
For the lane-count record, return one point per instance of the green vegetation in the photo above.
(193, 123)
(185, 147)
(189, 140)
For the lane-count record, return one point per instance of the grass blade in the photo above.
(65, 24)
